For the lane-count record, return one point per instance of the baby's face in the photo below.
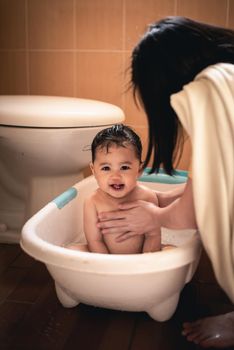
(117, 170)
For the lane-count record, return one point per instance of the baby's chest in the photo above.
(105, 206)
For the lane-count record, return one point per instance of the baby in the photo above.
(116, 165)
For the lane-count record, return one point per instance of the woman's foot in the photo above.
(216, 332)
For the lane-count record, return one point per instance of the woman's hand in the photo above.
(134, 218)
(140, 217)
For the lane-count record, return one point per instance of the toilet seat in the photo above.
(56, 112)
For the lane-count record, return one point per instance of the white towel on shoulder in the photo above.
(205, 108)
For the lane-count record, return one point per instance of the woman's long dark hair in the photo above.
(171, 53)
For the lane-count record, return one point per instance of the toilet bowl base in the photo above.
(10, 236)
(40, 190)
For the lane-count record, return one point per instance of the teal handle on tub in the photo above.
(179, 177)
(65, 197)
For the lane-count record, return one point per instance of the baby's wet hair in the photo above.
(119, 135)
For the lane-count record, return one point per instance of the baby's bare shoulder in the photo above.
(91, 198)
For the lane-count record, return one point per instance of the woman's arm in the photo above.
(139, 217)
(180, 213)
(167, 197)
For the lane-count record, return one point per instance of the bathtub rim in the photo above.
(59, 256)
(52, 254)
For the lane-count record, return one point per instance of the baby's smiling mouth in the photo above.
(117, 187)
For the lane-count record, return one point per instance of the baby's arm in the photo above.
(152, 241)
(92, 233)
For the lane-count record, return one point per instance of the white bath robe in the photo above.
(205, 108)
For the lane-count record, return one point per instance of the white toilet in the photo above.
(44, 147)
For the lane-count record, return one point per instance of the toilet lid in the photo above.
(60, 112)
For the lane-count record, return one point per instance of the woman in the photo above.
(183, 76)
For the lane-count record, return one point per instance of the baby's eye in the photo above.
(125, 167)
(105, 168)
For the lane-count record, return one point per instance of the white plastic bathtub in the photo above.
(149, 282)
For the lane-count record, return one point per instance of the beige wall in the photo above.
(82, 47)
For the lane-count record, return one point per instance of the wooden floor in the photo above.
(31, 317)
